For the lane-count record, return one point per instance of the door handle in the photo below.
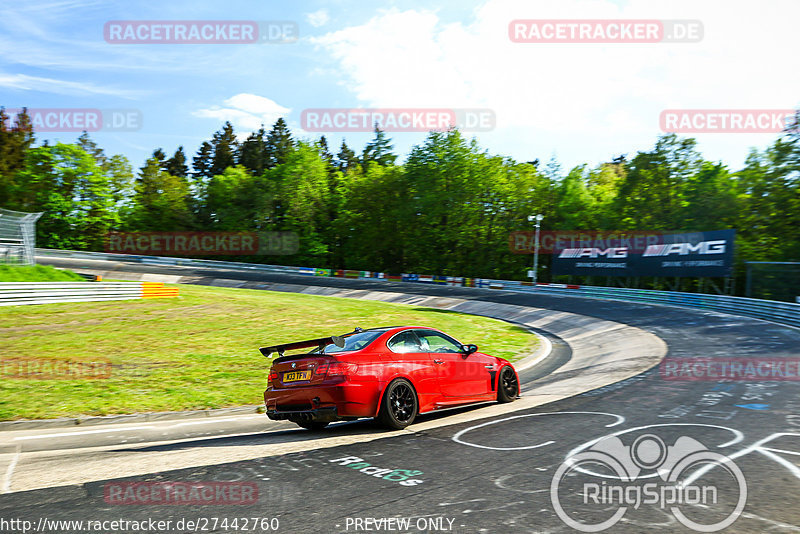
(438, 361)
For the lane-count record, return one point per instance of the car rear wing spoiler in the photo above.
(319, 343)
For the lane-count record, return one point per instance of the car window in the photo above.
(437, 342)
(405, 342)
(355, 342)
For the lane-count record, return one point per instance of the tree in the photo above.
(576, 206)
(160, 202)
(370, 228)
(91, 148)
(303, 202)
(378, 150)
(160, 157)
(253, 152)
(651, 195)
(15, 141)
(346, 159)
(176, 165)
(225, 149)
(66, 183)
(203, 161)
(119, 172)
(324, 151)
(603, 184)
(237, 201)
(279, 144)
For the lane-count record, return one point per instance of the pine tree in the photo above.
(253, 152)
(378, 150)
(86, 143)
(159, 157)
(225, 148)
(279, 144)
(324, 151)
(176, 165)
(202, 161)
(346, 159)
(15, 140)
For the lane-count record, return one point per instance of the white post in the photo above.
(534, 274)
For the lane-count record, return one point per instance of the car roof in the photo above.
(396, 329)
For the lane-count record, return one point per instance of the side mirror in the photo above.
(469, 349)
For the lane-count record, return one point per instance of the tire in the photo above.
(507, 385)
(399, 405)
(311, 425)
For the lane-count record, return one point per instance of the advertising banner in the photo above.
(702, 254)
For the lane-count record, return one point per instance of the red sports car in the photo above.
(392, 374)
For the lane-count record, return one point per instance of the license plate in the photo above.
(296, 376)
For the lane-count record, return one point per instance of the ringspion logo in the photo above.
(605, 480)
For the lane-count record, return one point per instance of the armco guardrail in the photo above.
(780, 312)
(21, 293)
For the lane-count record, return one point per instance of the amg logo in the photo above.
(613, 252)
(684, 249)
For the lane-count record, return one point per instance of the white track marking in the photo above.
(547, 348)
(10, 471)
(457, 437)
(775, 524)
(194, 423)
(81, 433)
(755, 447)
(142, 427)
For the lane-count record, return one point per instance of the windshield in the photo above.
(355, 342)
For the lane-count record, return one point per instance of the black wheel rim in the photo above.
(401, 403)
(509, 383)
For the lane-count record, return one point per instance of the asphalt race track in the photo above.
(497, 475)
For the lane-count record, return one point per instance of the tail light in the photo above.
(337, 369)
(272, 375)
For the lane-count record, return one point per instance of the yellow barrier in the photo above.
(156, 290)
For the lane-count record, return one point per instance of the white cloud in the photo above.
(63, 87)
(600, 96)
(247, 112)
(318, 18)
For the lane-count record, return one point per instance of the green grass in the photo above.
(36, 273)
(198, 351)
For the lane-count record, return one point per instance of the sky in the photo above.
(584, 102)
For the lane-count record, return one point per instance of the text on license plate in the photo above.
(295, 376)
